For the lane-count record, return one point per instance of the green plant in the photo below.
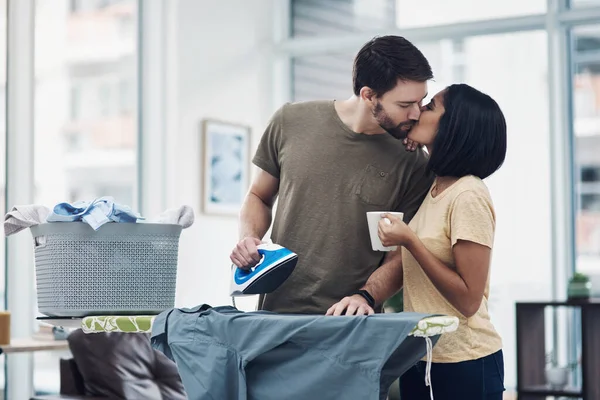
(395, 303)
(579, 277)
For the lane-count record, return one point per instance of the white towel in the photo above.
(183, 216)
(21, 217)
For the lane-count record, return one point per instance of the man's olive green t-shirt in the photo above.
(329, 178)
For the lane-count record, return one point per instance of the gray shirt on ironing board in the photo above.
(222, 353)
(329, 177)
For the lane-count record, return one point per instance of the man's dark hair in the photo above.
(471, 138)
(386, 59)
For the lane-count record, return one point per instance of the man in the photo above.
(329, 162)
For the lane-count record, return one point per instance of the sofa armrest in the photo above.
(71, 381)
(71, 384)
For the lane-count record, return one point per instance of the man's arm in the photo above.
(255, 219)
(256, 211)
(382, 284)
(387, 280)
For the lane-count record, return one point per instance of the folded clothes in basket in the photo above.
(95, 213)
(183, 216)
(21, 217)
(223, 353)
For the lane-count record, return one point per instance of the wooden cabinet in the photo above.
(531, 351)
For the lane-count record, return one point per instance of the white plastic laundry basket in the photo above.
(122, 268)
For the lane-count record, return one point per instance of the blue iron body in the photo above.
(276, 265)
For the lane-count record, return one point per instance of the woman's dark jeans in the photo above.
(481, 379)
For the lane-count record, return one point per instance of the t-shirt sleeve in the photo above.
(472, 218)
(267, 156)
(418, 187)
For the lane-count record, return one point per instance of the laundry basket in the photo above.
(122, 268)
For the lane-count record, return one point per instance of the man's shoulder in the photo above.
(418, 159)
(421, 157)
(417, 162)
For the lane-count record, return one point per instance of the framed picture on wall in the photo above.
(225, 166)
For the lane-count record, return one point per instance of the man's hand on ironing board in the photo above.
(351, 305)
(382, 284)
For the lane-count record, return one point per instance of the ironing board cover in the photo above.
(427, 327)
(118, 323)
(437, 325)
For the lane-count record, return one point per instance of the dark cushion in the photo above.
(71, 381)
(124, 366)
(65, 397)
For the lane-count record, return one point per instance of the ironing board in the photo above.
(427, 327)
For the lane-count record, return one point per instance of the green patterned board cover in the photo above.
(435, 326)
(143, 324)
(118, 323)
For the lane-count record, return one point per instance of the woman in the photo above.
(447, 247)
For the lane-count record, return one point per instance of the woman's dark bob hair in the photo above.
(471, 138)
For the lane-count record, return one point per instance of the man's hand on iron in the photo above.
(351, 305)
(245, 254)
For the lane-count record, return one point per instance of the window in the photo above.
(3, 50)
(126, 95)
(85, 147)
(586, 109)
(585, 3)
(412, 13)
(314, 18)
(91, 5)
(512, 68)
(322, 77)
(75, 102)
(328, 18)
(104, 99)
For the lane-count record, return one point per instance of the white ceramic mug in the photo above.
(373, 218)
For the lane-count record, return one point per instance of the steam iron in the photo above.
(276, 265)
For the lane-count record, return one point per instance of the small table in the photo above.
(25, 345)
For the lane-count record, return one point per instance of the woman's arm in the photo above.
(471, 228)
(464, 287)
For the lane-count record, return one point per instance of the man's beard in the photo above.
(398, 131)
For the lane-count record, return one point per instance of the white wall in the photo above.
(224, 73)
(512, 68)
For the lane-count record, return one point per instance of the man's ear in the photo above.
(367, 94)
